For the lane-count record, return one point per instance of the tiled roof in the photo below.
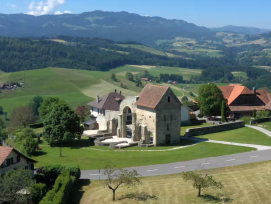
(151, 95)
(108, 102)
(4, 152)
(232, 91)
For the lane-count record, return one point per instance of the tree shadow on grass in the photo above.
(77, 192)
(40, 153)
(138, 196)
(217, 199)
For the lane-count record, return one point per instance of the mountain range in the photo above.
(118, 26)
(241, 30)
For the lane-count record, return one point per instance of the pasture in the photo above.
(239, 74)
(144, 48)
(246, 184)
(78, 87)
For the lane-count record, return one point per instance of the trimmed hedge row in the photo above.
(61, 190)
(51, 172)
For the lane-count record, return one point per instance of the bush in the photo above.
(246, 119)
(39, 178)
(30, 146)
(52, 171)
(36, 125)
(61, 190)
(38, 191)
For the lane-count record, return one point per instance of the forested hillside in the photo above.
(241, 29)
(118, 26)
(18, 54)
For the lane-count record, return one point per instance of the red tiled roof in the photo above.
(151, 95)
(4, 152)
(226, 90)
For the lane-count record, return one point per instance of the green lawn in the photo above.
(240, 74)
(241, 135)
(184, 128)
(195, 87)
(95, 159)
(266, 125)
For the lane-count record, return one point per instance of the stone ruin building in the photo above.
(153, 117)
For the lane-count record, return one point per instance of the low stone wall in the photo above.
(213, 129)
(260, 120)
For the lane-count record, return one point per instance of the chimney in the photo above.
(120, 92)
(254, 90)
(115, 90)
(137, 97)
(98, 99)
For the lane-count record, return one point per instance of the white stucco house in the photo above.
(185, 115)
(11, 158)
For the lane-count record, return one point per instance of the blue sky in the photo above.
(209, 13)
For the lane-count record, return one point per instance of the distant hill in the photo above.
(118, 26)
(240, 29)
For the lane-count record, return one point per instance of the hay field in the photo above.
(244, 184)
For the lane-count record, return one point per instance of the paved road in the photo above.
(206, 163)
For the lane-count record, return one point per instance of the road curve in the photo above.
(205, 163)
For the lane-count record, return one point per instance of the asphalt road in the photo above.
(206, 163)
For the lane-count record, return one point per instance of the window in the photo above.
(168, 99)
(91, 108)
(167, 127)
(26, 167)
(11, 160)
(129, 110)
(8, 162)
(18, 158)
(32, 166)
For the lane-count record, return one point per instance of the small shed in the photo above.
(91, 124)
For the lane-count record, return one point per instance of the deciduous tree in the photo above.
(113, 76)
(129, 76)
(59, 121)
(210, 99)
(22, 116)
(118, 177)
(35, 104)
(82, 112)
(201, 181)
(14, 181)
(30, 145)
(47, 106)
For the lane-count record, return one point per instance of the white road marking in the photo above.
(230, 160)
(177, 167)
(205, 163)
(255, 156)
(153, 170)
(94, 174)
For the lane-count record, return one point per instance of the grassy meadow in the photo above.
(243, 184)
(144, 48)
(77, 87)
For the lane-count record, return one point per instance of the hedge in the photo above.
(52, 171)
(61, 190)
(36, 125)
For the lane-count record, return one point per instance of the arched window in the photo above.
(168, 99)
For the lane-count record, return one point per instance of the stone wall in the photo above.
(103, 121)
(260, 120)
(213, 129)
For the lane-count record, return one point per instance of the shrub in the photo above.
(61, 190)
(52, 171)
(246, 119)
(38, 191)
(39, 178)
(30, 146)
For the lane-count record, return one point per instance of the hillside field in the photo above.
(77, 87)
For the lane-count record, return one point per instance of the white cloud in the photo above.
(13, 6)
(44, 7)
(65, 12)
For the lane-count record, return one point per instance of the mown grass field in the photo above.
(240, 74)
(98, 157)
(243, 184)
(241, 135)
(195, 87)
(266, 125)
